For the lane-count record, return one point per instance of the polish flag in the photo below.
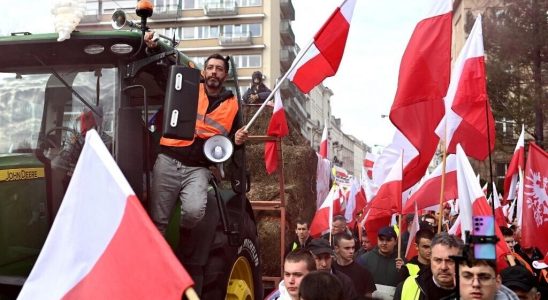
(422, 84)
(429, 193)
(323, 218)
(355, 202)
(472, 202)
(278, 128)
(323, 143)
(323, 177)
(368, 163)
(534, 224)
(322, 58)
(466, 102)
(517, 163)
(389, 196)
(411, 251)
(499, 213)
(102, 244)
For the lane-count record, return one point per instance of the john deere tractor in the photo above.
(52, 92)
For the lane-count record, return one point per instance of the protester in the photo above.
(181, 169)
(257, 92)
(437, 281)
(323, 256)
(521, 281)
(509, 238)
(302, 236)
(297, 264)
(344, 251)
(478, 279)
(383, 263)
(420, 262)
(366, 245)
(338, 225)
(319, 285)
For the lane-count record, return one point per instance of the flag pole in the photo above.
(279, 83)
(399, 235)
(489, 151)
(443, 165)
(190, 294)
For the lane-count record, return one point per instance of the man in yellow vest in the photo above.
(420, 262)
(181, 169)
(438, 281)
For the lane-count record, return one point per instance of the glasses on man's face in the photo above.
(482, 278)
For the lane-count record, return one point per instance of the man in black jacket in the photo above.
(257, 92)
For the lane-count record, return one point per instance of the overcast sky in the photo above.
(365, 84)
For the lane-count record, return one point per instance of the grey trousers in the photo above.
(171, 180)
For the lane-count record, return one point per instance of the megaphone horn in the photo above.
(218, 148)
(119, 20)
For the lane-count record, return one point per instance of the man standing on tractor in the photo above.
(182, 170)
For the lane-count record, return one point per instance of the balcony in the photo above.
(215, 8)
(286, 33)
(166, 12)
(287, 55)
(236, 39)
(288, 11)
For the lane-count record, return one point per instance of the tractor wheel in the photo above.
(234, 272)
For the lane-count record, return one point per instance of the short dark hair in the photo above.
(320, 285)
(218, 56)
(446, 239)
(506, 231)
(424, 233)
(472, 261)
(342, 236)
(302, 221)
(339, 218)
(301, 254)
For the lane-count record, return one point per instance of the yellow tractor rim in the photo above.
(240, 282)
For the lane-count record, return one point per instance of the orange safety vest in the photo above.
(219, 121)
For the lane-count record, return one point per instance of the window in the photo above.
(242, 29)
(193, 4)
(243, 3)
(165, 5)
(200, 32)
(109, 7)
(248, 61)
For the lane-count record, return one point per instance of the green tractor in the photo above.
(47, 91)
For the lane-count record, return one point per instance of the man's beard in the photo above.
(213, 82)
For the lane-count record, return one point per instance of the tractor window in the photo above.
(21, 106)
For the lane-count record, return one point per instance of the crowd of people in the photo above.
(344, 264)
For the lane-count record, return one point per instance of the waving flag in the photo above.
(428, 194)
(466, 121)
(411, 250)
(324, 142)
(517, 163)
(422, 84)
(389, 196)
(499, 213)
(102, 244)
(534, 221)
(330, 207)
(368, 163)
(323, 57)
(277, 127)
(472, 202)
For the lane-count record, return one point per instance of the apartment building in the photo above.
(256, 33)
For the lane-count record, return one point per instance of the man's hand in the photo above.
(150, 40)
(254, 98)
(399, 263)
(241, 136)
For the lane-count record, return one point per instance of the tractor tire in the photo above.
(234, 272)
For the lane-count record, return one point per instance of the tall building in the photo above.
(256, 33)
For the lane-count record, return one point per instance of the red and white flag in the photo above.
(472, 202)
(422, 84)
(466, 121)
(323, 218)
(368, 164)
(516, 163)
(389, 196)
(323, 177)
(324, 142)
(355, 202)
(428, 194)
(277, 127)
(102, 244)
(534, 223)
(499, 213)
(323, 57)
(411, 251)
